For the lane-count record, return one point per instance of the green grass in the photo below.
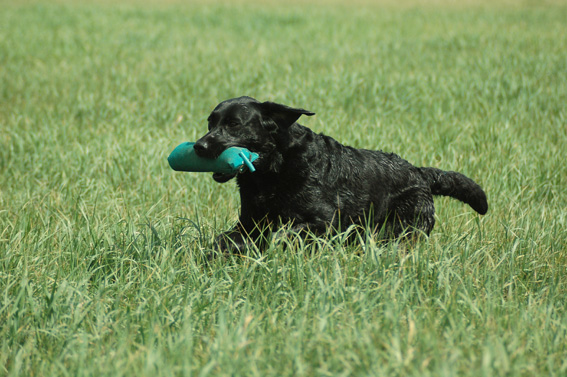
(102, 246)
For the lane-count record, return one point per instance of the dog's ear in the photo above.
(283, 116)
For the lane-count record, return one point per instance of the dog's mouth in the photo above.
(214, 153)
(222, 178)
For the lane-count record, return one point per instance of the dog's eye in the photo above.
(232, 123)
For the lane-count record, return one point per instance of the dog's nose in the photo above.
(201, 147)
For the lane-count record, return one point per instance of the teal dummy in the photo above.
(232, 160)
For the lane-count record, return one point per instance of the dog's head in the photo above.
(246, 122)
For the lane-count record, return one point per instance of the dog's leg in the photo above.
(307, 232)
(411, 209)
(231, 242)
(240, 239)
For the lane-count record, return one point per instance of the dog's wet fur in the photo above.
(313, 184)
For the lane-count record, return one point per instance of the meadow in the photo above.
(103, 247)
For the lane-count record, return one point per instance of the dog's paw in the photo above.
(222, 178)
(230, 242)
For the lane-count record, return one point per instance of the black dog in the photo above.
(313, 183)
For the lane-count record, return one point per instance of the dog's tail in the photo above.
(456, 185)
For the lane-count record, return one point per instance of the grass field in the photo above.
(102, 246)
